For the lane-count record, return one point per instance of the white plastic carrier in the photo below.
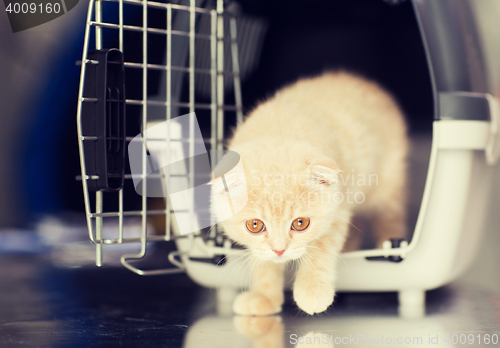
(201, 52)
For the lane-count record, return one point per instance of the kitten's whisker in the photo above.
(292, 267)
(316, 260)
(315, 263)
(249, 277)
(226, 258)
(234, 268)
(209, 232)
(321, 263)
(251, 264)
(307, 263)
(225, 269)
(219, 280)
(244, 280)
(349, 222)
(311, 268)
(231, 254)
(345, 263)
(242, 264)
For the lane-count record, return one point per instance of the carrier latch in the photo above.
(393, 243)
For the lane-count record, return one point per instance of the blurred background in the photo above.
(39, 79)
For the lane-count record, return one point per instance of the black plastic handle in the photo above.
(217, 260)
(103, 119)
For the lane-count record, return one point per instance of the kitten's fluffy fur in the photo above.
(300, 149)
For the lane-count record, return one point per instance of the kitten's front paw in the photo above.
(247, 303)
(313, 299)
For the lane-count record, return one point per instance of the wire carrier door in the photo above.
(198, 46)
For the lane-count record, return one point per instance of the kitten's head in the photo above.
(289, 189)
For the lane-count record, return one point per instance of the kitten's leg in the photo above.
(266, 292)
(314, 286)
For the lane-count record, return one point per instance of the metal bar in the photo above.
(130, 213)
(144, 211)
(144, 124)
(98, 200)
(150, 30)
(184, 105)
(168, 98)
(236, 70)
(110, 241)
(120, 24)
(213, 102)
(220, 86)
(139, 212)
(98, 227)
(220, 78)
(174, 68)
(156, 66)
(81, 149)
(120, 216)
(88, 177)
(205, 140)
(120, 193)
(213, 76)
(93, 100)
(98, 21)
(130, 176)
(192, 119)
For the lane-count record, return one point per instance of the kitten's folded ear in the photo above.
(323, 170)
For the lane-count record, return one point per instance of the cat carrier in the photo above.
(128, 89)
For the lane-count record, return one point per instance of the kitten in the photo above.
(314, 154)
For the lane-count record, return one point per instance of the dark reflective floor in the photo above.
(44, 306)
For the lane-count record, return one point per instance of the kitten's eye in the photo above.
(300, 224)
(255, 225)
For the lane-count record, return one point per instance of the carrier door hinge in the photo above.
(474, 106)
(493, 144)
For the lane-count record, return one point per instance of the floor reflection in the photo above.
(454, 317)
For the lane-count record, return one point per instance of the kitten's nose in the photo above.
(279, 252)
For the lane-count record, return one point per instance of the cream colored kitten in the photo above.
(319, 151)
